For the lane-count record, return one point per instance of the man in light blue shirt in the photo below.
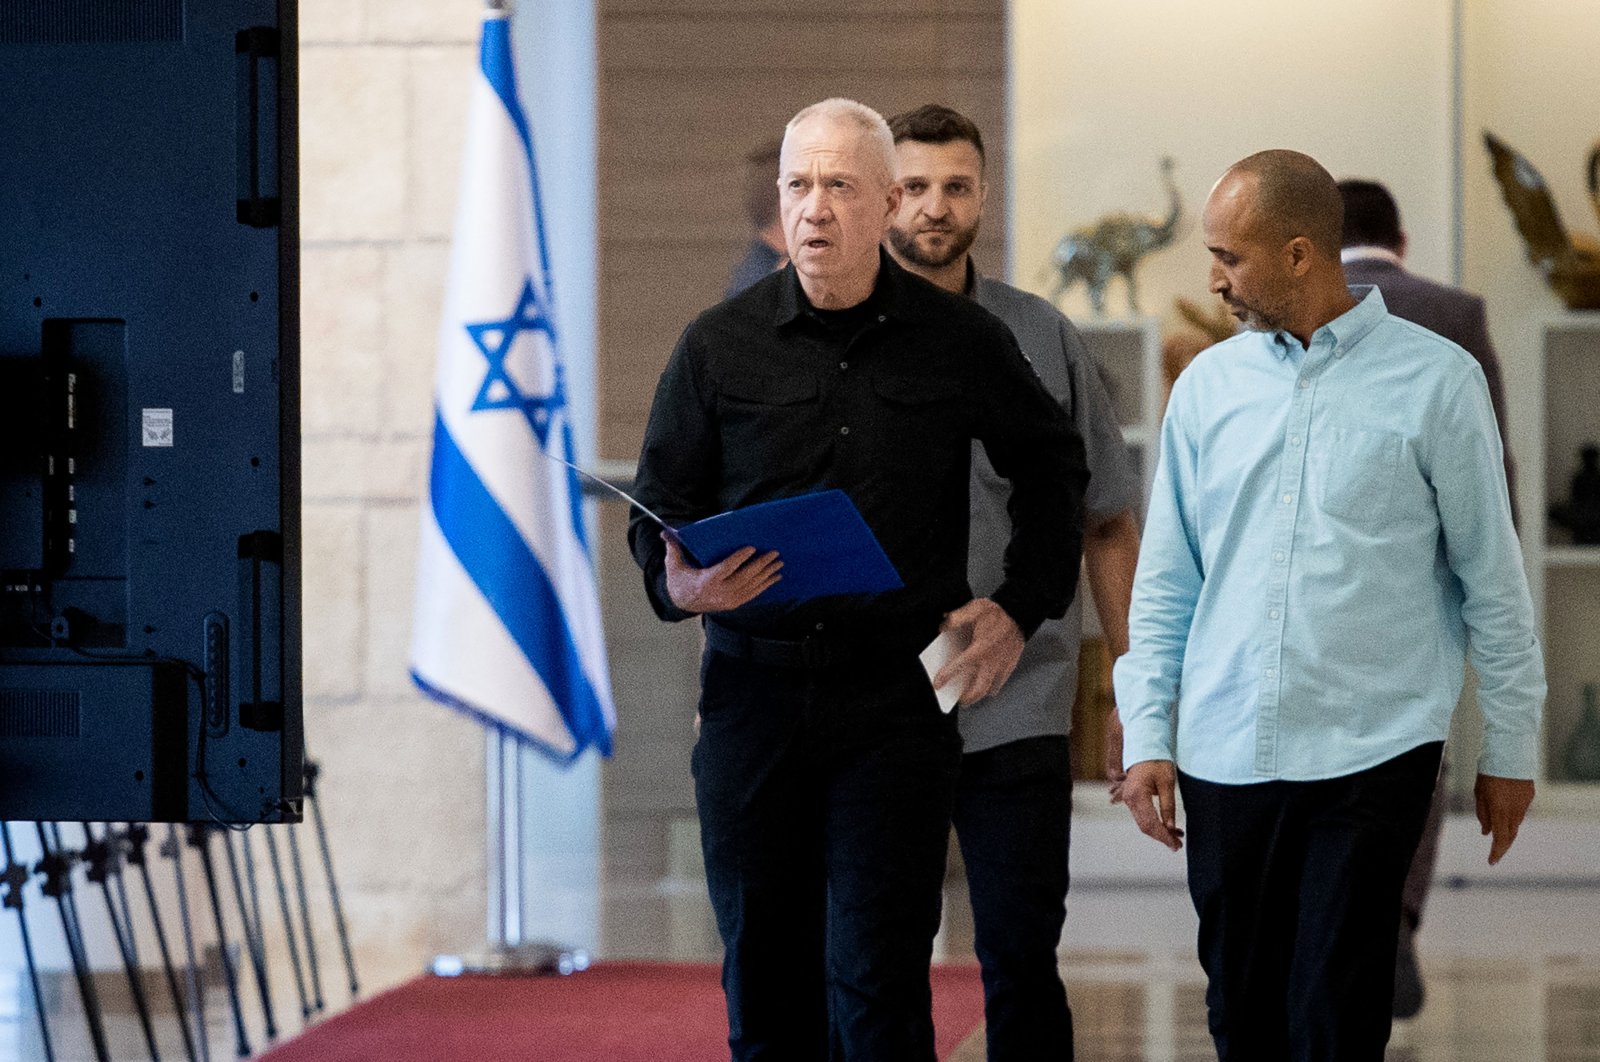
(1329, 534)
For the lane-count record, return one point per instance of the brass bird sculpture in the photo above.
(1570, 265)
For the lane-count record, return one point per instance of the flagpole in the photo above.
(461, 506)
(476, 551)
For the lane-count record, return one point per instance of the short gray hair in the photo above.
(864, 118)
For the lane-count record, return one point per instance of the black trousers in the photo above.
(824, 798)
(1298, 885)
(1013, 820)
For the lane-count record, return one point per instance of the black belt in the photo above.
(813, 651)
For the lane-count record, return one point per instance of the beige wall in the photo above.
(1532, 80)
(382, 102)
(1102, 91)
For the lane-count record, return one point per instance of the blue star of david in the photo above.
(499, 391)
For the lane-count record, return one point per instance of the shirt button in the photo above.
(819, 626)
(1287, 498)
(1294, 440)
(1272, 672)
(1278, 556)
(1304, 384)
(882, 318)
(844, 429)
(843, 365)
(1273, 614)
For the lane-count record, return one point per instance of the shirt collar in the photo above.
(889, 295)
(1340, 334)
(1368, 253)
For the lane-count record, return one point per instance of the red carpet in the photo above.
(617, 1011)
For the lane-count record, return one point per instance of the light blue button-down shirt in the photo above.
(1329, 531)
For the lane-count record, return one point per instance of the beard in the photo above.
(904, 241)
(1255, 318)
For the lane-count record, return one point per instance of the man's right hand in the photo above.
(1154, 781)
(738, 578)
(1115, 775)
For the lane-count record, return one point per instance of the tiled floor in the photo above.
(1513, 974)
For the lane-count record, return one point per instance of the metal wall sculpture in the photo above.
(1569, 262)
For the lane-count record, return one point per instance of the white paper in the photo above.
(945, 647)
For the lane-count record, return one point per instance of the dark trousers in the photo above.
(1419, 879)
(1297, 885)
(824, 798)
(1013, 819)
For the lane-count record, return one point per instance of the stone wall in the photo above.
(383, 96)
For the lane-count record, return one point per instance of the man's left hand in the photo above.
(991, 655)
(1502, 805)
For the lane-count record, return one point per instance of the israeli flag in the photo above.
(507, 617)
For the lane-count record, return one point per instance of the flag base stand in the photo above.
(509, 953)
(539, 958)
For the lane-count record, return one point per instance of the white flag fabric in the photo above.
(507, 623)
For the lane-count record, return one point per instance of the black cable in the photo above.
(198, 675)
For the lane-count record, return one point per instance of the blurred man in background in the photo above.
(766, 251)
(1374, 250)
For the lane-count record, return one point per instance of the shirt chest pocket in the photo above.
(918, 421)
(1355, 470)
(768, 422)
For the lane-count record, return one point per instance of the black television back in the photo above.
(149, 395)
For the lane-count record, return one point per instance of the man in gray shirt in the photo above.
(1014, 798)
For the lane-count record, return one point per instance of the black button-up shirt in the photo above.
(766, 397)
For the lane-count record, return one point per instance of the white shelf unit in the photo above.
(1565, 576)
(1128, 354)
(1128, 351)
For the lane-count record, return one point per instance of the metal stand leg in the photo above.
(137, 836)
(103, 859)
(288, 924)
(56, 866)
(312, 771)
(252, 939)
(172, 848)
(200, 840)
(13, 876)
(305, 918)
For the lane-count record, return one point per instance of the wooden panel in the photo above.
(655, 118)
(803, 42)
(620, 10)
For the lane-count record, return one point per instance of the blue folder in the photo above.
(825, 545)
